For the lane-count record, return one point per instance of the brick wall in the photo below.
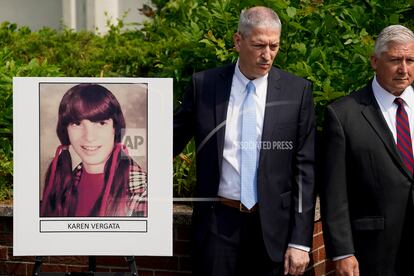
(177, 265)
(319, 264)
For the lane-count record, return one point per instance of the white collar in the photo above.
(387, 99)
(243, 80)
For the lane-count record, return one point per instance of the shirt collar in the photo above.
(243, 80)
(387, 99)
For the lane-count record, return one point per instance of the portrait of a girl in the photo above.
(107, 181)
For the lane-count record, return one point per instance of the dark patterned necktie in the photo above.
(404, 143)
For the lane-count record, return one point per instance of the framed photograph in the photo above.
(92, 166)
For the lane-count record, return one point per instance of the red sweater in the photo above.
(89, 190)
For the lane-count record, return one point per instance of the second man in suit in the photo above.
(367, 196)
(254, 130)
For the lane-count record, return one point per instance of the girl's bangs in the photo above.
(88, 106)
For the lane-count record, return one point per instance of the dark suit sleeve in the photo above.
(334, 194)
(184, 125)
(304, 191)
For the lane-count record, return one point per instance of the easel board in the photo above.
(94, 236)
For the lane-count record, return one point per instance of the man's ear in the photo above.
(237, 40)
(374, 60)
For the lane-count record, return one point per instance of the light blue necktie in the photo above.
(248, 145)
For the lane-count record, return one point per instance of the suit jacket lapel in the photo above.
(272, 97)
(372, 113)
(222, 95)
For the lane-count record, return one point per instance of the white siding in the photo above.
(75, 14)
(35, 14)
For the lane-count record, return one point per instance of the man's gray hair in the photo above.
(258, 17)
(392, 33)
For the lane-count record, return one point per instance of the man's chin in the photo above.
(262, 72)
(402, 85)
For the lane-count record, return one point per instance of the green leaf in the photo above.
(291, 12)
(394, 19)
(301, 47)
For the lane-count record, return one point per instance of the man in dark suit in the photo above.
(367, 193)
(255, 178)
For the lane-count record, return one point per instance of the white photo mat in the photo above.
(125, 236)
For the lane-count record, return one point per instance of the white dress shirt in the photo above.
(389, 108)
(229, 186)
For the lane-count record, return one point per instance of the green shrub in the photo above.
(328, 42)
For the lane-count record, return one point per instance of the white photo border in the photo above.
(100, 236)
